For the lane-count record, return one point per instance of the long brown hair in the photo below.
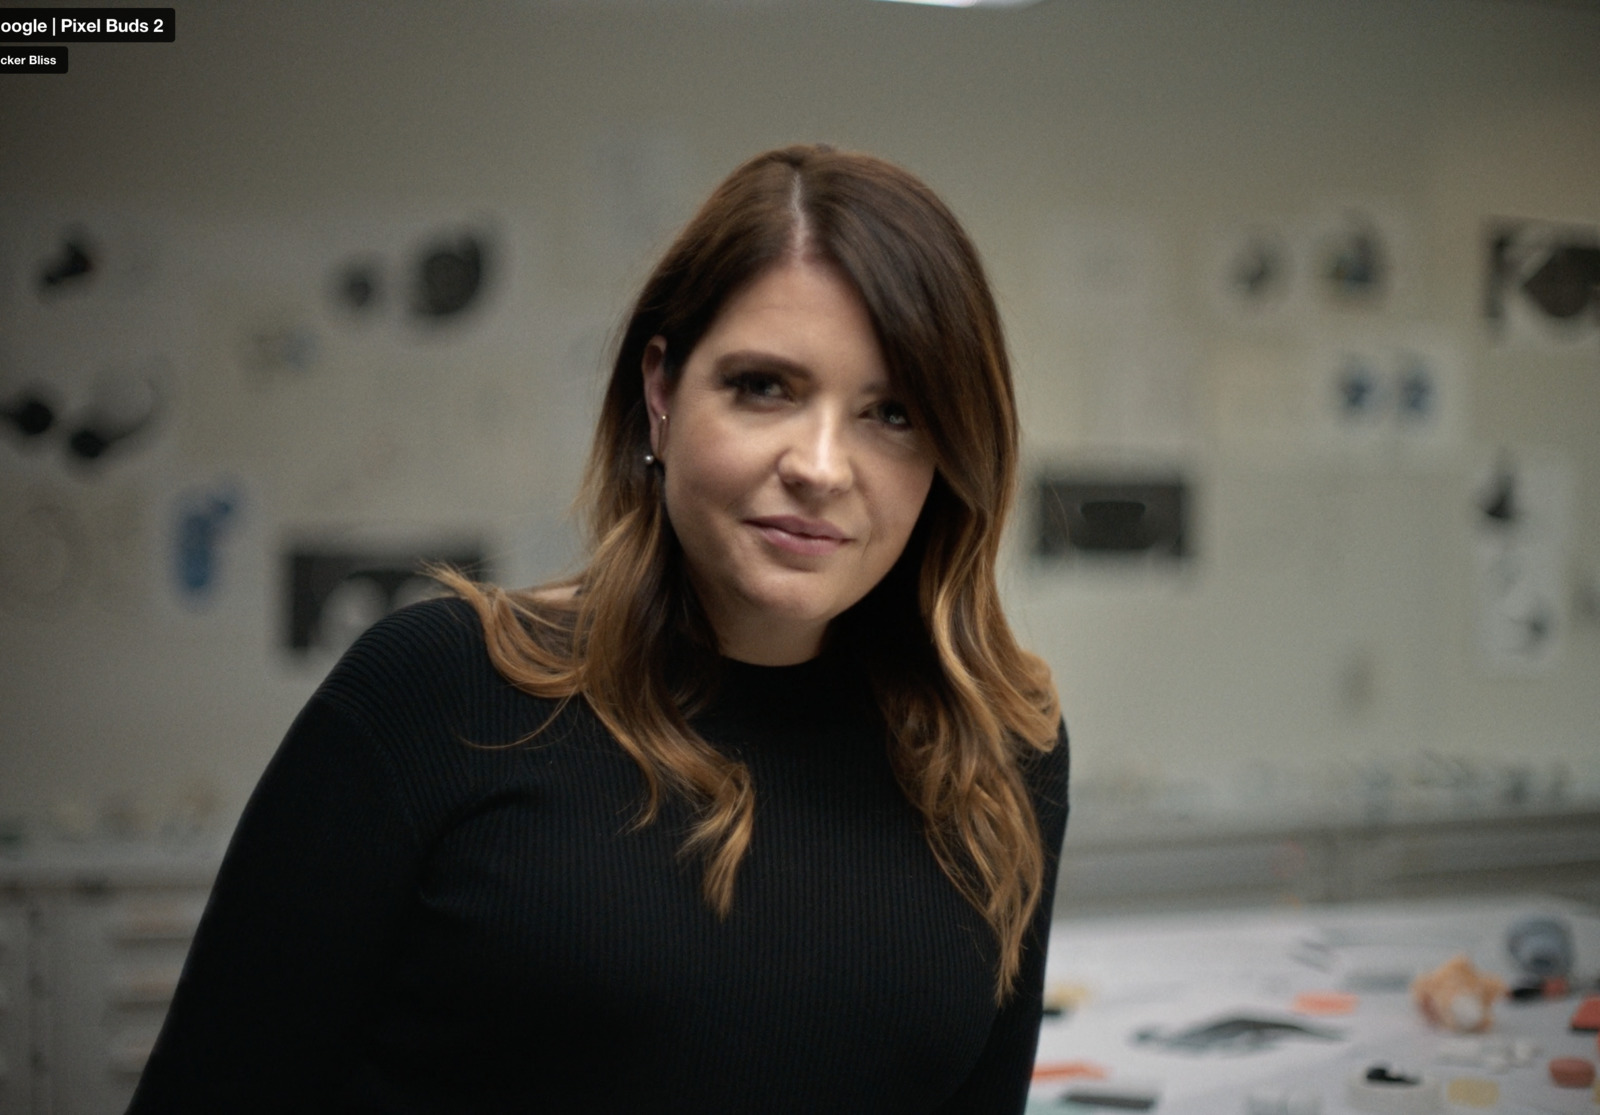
(964, 703)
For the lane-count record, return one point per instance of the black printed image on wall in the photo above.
(1116, 518)
(333, 594)
(1542, 277)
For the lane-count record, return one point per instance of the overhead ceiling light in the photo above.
(969, 3)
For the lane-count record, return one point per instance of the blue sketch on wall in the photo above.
(1355, 262)
(1360, 388)
(203, 522)
(1416, 392)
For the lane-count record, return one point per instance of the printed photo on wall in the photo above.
(1107, 518)
(334, 593)
(1542, 282)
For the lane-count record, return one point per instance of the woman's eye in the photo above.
(756, 385)
(892, 414)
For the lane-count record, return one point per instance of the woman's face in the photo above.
(792, 475)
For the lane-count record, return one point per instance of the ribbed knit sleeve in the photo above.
(999, 1082)
(298, 931)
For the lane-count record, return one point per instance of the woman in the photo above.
(759, 811)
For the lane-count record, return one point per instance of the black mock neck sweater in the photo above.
(411, 918)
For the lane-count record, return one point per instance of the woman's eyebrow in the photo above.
(756, 360)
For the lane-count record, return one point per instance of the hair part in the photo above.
(966, 705)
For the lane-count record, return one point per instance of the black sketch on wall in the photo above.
(1545, 271)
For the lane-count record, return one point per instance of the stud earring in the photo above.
(649, 459)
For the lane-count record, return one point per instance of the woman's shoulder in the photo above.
(1047, 771)
(428, 654)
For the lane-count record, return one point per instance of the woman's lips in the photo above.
(796, 535)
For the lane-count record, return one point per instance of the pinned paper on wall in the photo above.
(1253, 270)
(72, 264)
(1102, 517)
(634, 187)
(109, 417)
(64, 259)
(1107, 268)
(335, 592)
(1401, 389)
(1142, 398)
(64, 547)
(92, 344)
(1542, 282)
(1352, 257)
(1524, 515)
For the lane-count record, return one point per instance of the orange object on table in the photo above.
(1325, 1002)
(1069, 1070)
(1572, 1072)
(1457, 996)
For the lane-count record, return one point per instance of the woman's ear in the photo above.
(657, 392)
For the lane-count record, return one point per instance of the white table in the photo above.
(1169, 972)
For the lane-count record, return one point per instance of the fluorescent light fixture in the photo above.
(969, 3)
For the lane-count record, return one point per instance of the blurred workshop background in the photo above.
(1304, 303)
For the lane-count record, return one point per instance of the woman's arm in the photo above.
(267, 1014)
(998, 1084)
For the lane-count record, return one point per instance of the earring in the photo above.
(650, 458)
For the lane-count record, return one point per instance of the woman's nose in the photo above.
(817, 457)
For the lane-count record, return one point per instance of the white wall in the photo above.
(1325, 633)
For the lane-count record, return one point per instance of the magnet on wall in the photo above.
(450, 276)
